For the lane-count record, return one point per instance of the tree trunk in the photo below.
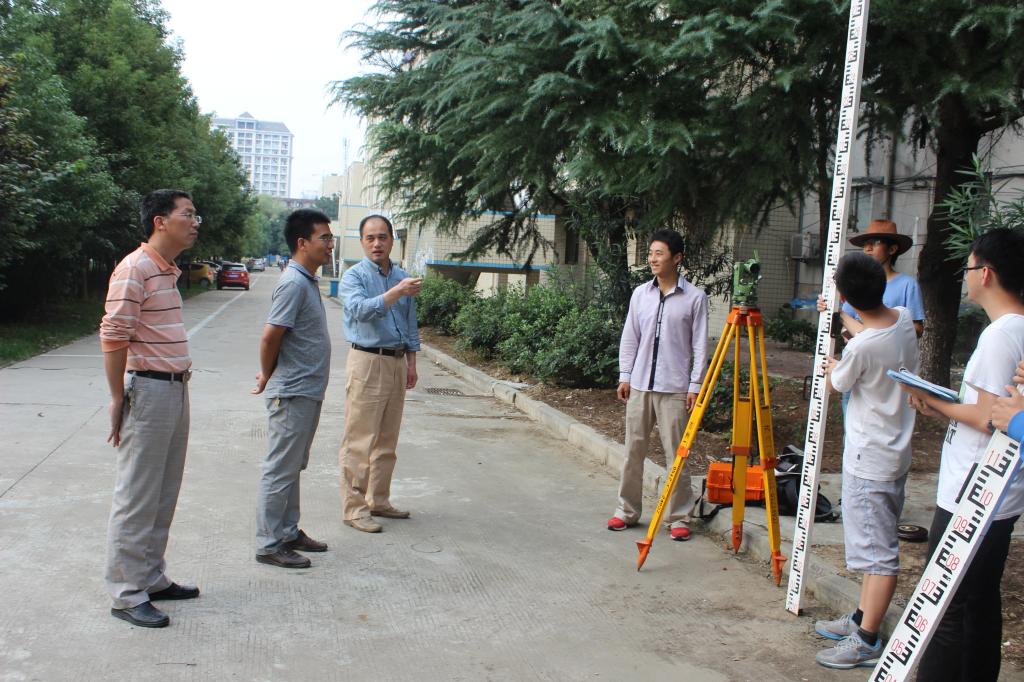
(941, 279)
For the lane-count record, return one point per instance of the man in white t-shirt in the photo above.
(876, 456)
(966, 642)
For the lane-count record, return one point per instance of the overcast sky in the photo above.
(275, 59)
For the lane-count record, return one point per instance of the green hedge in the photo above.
(547, 331)
(799, 334)
(440, 301)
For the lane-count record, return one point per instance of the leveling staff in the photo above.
(662, 360)
(966, 643)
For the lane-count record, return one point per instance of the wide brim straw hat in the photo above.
(883, 229)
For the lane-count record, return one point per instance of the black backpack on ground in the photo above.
(788, 466)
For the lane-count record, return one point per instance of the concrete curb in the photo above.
(838, 593)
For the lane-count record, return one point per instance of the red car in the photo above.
(233, 275)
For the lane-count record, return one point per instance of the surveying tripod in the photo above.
(747, 409)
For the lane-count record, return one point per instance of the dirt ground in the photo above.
(601, 410)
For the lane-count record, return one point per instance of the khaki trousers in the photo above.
(374, 400)
(150, 463)
(643, 409)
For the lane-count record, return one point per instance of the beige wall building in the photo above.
(331, 184)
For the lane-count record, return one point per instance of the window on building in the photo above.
(571, 254)
(861, 208)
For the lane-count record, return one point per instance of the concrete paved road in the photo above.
(504, 572)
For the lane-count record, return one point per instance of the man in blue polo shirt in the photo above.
(380, 323)
(295, 364)
(883, 242)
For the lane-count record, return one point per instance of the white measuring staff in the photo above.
(816, 416)
(979, 499)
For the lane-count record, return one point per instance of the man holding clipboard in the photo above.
(966, 643)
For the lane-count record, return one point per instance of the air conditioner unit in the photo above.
(805, 246)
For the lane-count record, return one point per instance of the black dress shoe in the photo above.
(304, 543)
(175, 591)
(145, 615)
(285, 558)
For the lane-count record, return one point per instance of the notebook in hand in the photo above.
(905, 376)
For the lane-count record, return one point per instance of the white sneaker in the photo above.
(849, 653)
(840, 628)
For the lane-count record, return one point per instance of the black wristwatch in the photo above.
(991, 426)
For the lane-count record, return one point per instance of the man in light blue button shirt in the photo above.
(380, 323)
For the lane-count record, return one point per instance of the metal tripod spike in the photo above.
(754, 407)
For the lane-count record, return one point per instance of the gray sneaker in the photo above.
(840, 628)
(849, 653)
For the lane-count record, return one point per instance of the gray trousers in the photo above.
(643, 409)
(292, 423)
(150, 463)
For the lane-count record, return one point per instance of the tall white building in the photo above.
(265, 149)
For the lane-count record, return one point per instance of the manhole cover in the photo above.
(445, 391)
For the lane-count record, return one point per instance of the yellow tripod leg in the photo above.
(766, 444)
(683, 451)
(742, 436)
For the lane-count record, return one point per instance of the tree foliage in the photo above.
(622, 117)
(21, 176)
(329, 206)
(101, 97)
(956, 68)
(626, 115)
(975, 207)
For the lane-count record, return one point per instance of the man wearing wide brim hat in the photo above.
(883, 242)
(885, 231)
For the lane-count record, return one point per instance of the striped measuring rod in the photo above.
(818, 410)
(986, 485)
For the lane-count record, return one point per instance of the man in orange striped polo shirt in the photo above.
(143, 333)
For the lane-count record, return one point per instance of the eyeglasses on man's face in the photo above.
(325, 238)
(191, 217)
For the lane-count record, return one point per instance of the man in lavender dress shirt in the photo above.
(662, 360)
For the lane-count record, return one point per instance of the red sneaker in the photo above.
(615, 523)
(681, 534)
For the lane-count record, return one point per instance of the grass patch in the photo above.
(48, 327)
(195, 290)
(54, 325)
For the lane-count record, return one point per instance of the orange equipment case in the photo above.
(719, 483)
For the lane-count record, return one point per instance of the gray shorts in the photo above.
(871, 512)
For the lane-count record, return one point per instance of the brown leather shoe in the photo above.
(391, 513)
(364, 524)
(304, 543)
(285, 558)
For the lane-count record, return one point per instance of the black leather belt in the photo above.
(162, 376)
(393, 352)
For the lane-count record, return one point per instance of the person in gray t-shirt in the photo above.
(295, 361)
